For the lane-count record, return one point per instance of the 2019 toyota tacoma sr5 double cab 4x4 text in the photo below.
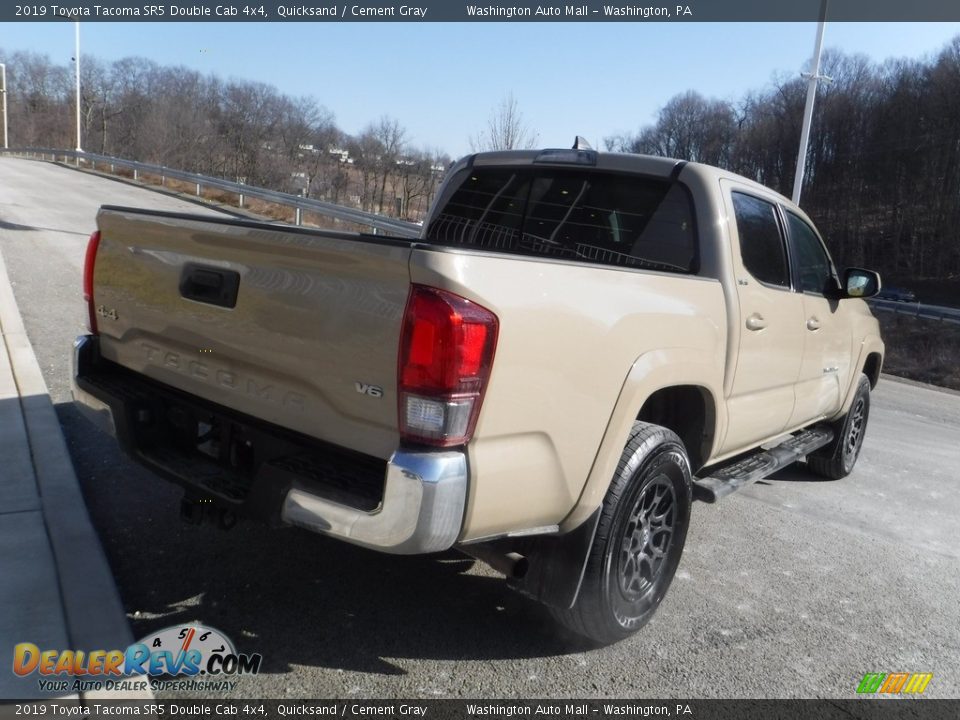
(576, 346)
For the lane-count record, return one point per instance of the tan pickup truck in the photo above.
(577, 346)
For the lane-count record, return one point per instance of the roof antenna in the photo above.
(580, 143)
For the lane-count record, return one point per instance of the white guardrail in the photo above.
(920, 310)
(300, 205)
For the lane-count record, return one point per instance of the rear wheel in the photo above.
(838, 459)
(639, 539)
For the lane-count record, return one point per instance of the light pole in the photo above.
(3, 96)
(812, 81)
(77, 58)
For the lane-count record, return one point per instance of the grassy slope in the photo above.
(923, 350)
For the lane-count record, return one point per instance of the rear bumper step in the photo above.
(726, 479)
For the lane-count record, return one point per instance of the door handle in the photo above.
(756, 322)
(813, 324)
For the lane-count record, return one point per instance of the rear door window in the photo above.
(762, 248)
(604, 218)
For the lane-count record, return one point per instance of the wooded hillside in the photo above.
(243, 131)
(883, 179)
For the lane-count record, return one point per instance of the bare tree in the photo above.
(415, 181)
(506, 129)
(688, 127)
(618, 143)
(366, 150)
(38, 96)
(391, 139)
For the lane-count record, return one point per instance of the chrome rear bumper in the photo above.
(421, 512)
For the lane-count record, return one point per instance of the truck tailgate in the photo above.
(296, 327)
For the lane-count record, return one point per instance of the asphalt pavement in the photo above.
(794, 587)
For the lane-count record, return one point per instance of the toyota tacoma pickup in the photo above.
(576, 346)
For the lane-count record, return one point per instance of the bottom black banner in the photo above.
(891, 709)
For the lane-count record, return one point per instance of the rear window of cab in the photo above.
(570, 214)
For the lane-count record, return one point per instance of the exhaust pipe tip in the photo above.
(520, 566)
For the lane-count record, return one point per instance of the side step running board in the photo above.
(726, 479)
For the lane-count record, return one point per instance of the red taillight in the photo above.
(446, 352)
(92, 244)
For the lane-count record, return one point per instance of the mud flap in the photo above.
(556, 564)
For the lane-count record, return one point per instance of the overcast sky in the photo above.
(441, 80)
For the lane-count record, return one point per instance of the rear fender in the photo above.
(652, 371)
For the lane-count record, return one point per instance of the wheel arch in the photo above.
(688, 410)
(870, 363)
(872, 366)
(662, 385)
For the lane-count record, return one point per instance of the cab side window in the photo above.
(761, 242)
(814, 270)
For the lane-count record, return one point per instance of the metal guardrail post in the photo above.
(298, 217)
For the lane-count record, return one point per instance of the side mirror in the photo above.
(860, 283)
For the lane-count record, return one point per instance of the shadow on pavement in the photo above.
(4, 225)
(797, 473)
(295, 597)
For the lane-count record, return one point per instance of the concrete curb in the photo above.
(91, 603)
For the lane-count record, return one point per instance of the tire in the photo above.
(837, 459)
(632, 562)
